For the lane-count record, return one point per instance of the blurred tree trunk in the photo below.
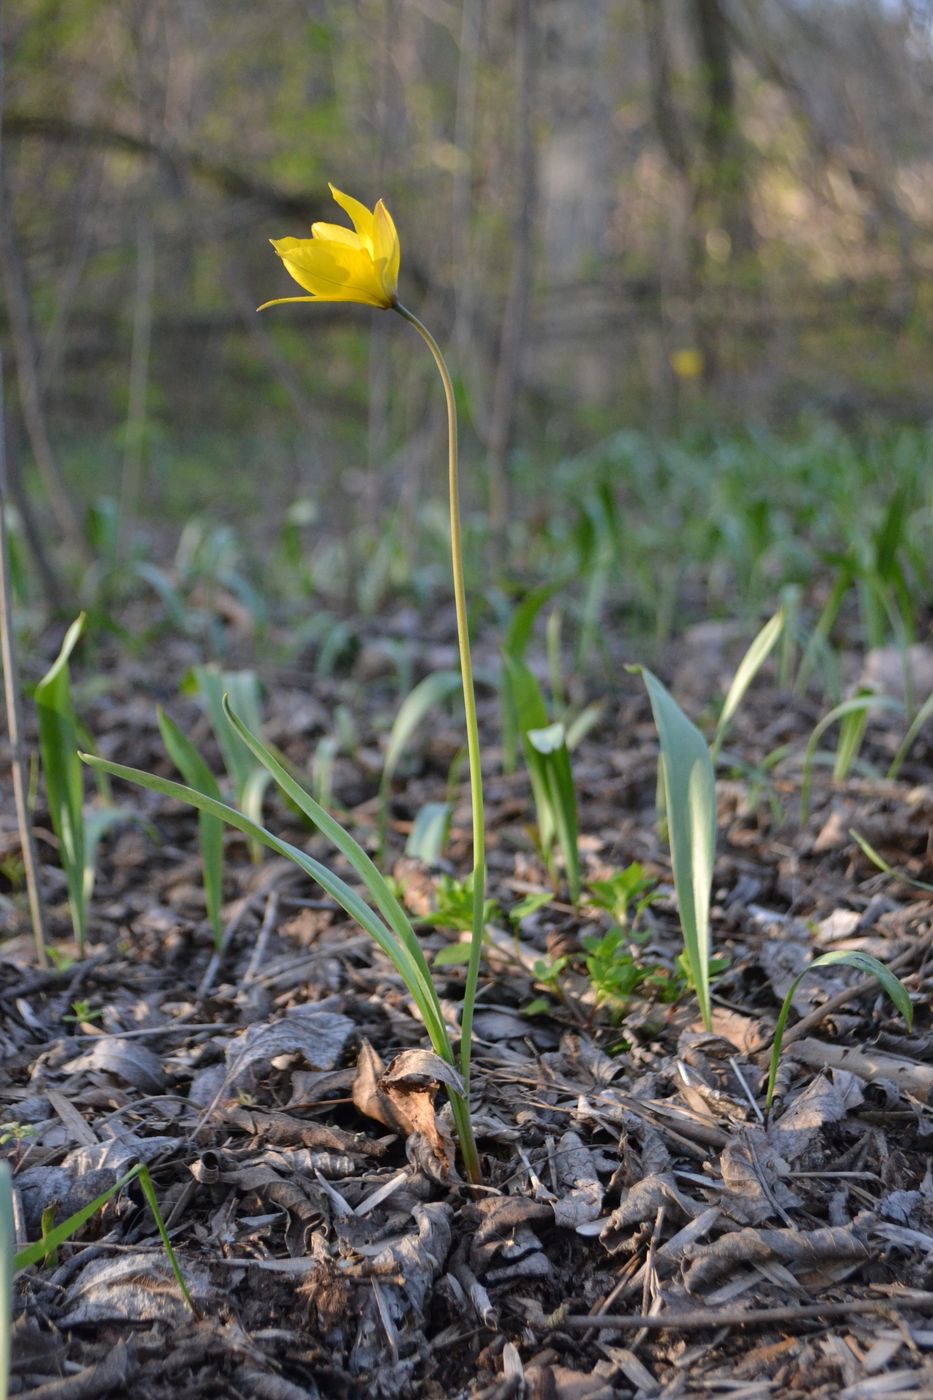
(26, 354)
(723, 184)
(512, 344)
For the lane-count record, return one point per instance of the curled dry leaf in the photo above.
(402, 1098)
(640, 1204)
(318, 1036)
(126, 1060)
(799, 1249)
(577, 1178)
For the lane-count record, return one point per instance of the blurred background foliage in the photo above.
(632, 222)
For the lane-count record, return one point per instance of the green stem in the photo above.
(467, 1143)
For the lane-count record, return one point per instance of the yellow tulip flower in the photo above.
(341, 264)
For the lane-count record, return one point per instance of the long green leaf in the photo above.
(398, 952)
(747, 669)
(376, 884)
(64, 781)
(196, 774)
(7, 1248)
(689, 787)
(863, 962)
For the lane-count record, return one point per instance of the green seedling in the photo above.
(748, 668)
(453, 906)
(854, 710)
(624, 896)
(436, 689)
(517, 637)
(885, 868)
(83, 1011)
(862, 962)
(548, 761)
(689, 789)
(922, 717)
(248, 778)
(56, 1235)
(196, 774)
(429, 832)
(79, 831)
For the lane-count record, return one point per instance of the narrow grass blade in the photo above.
(859, 704)
(747, 670)
(7, 1247)
(373, 879)
(412, 970)
(923, 715)
(51, 1239)
(882, 864)
(434, 690)
(196, 774)
(515, 644)
(863, 962)
(690, 803)
(64, 781)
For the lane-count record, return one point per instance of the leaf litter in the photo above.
(644, 1227)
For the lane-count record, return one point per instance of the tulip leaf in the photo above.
(689, 789)
(196, 774)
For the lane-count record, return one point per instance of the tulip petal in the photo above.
(361, 216)
(280, 301)
(337, 233)
(386, 247)
(332, 271)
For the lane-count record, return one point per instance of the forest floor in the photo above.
(644, 1228)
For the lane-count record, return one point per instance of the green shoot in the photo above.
(434, 690)
(748, 668)
(858, 705)
(79, 832)
(429, 832)
(58, 745)
(249, 779)
(196, 774)
(885, 868)
(689, 789)
(863, 962)
(454, 905)
(548, 760)
(45, 1247)
(624, 895)
(922, 717)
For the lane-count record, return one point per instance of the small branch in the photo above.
(736, 1317)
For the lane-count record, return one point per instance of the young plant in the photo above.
(863, 962)
(688, 785)
(548, 761)
(434, 690)
(45, 1247)
(851, 715)
(249, 779)
(196, 774)
(79, 832)
(337, 265)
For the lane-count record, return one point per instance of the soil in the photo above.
(644, 1227)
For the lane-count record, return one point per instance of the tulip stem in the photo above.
(465, 1128)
